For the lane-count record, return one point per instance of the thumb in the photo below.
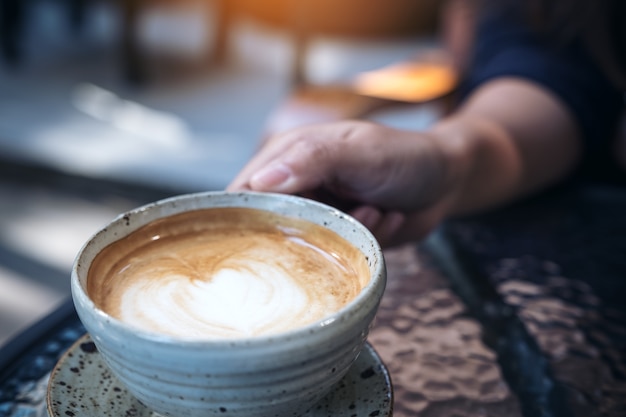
(301, 160)
(298, 169)
(275, 177)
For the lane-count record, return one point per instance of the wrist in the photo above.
(454, 144)
(483, 168)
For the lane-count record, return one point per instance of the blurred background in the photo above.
(107, 105)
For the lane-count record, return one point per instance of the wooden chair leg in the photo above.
(132, 62)
(11, 26)
(224, 10)
(77, 10)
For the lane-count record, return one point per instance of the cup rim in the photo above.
(373, 290)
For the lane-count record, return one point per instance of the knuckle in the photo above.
(314, 148)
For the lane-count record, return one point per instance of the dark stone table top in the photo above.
(557, 265)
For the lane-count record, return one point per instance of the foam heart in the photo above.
(231, 303)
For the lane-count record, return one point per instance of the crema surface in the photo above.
(226, 273)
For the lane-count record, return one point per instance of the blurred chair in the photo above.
(361, 19)
(302, 19)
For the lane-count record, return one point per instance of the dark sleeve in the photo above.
(506, 47)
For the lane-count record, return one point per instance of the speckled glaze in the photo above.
(82, 385)
(280, 375)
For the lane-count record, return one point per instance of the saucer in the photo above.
(82, 385)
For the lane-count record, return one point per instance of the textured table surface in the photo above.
(558, 264)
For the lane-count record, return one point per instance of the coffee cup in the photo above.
(230, 304)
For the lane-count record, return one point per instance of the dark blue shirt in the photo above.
(507, 46)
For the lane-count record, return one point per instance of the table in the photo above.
(516, 313)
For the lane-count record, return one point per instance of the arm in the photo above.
(511, 138)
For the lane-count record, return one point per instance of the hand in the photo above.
(401, 184)
(393, 181)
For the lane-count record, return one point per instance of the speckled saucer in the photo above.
(82, 385)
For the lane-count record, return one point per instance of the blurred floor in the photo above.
(67, 107)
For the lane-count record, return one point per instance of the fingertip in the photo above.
(368, 216)
(237, 187)
(390, 227)
(239, 183)
(394, 221)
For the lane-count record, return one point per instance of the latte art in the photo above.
(243, 293)
(226, 273)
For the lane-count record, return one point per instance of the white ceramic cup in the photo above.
(275, 375)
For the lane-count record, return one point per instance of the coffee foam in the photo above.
(226, 273)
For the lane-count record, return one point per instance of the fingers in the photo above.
(393, 228)
(275, 177)
(303, 166)
(384, 226)
(268, 162)
(293, 162)
(271, 150)
(368, 216)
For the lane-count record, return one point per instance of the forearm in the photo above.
(511, 138)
